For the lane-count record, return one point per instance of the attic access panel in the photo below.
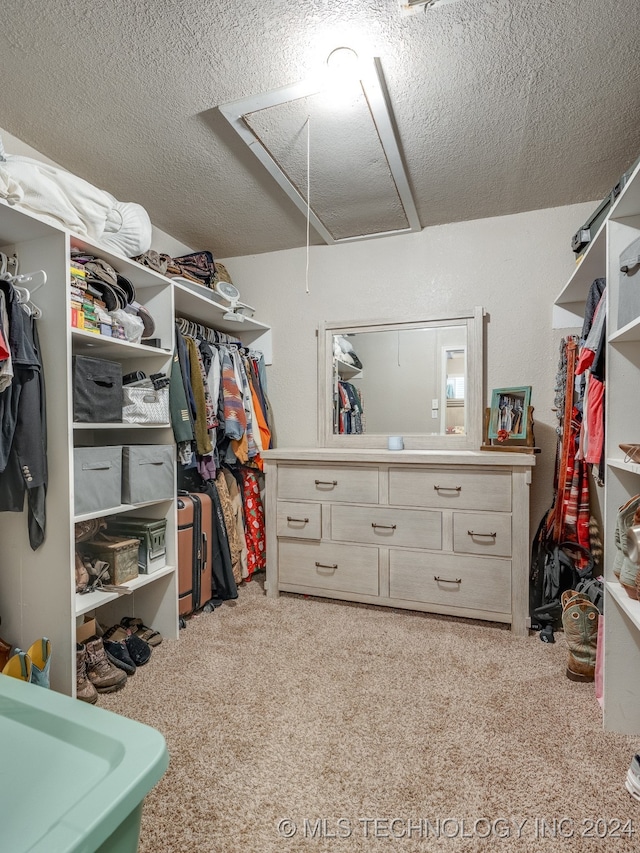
(358, 185)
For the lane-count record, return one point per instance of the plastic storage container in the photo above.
(151, 533)
(73, 777)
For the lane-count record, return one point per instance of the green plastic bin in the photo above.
(73, 777)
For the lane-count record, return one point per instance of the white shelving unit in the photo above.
(347, 371)
(37, 588)
(199, 307)
(622, 480)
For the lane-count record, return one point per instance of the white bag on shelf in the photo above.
(145, 405)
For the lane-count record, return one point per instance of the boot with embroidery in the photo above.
(624, 520)
(580, 624)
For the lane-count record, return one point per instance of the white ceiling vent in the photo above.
(336, 147)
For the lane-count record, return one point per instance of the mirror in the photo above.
(421, 380)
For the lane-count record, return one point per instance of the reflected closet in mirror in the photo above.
(420, 379)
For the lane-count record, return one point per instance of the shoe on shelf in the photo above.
(85, 691)
(119, 656)
(139, 651)
(632, 782)
(136, 626)
(631, 452)
(105, 677)
(18, 666)
(40, 655)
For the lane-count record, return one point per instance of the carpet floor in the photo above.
(303, 724)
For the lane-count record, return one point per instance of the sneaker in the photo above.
(632, 782)
(119, 656)
(85, 691)
(105, 677)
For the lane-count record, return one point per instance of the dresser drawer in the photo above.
(345, 568)
(298, 520)
(482, 533)
(451, 580)
(314, 483)
(416, 528)
(450, 488)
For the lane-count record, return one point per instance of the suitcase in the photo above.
(194, 551)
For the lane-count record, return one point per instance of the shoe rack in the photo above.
(37, 588)
(622, 426)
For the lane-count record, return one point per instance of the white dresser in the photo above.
(445, 532)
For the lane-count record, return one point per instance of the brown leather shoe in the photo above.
(85, 691)
(105, 677)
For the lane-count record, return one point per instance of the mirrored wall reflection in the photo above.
(400, 382)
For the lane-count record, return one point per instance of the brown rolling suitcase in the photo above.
(194, 551)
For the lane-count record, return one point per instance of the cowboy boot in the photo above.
(580, 624)
(629, 570)
(624, 521)
(18, 666)
(40, 655)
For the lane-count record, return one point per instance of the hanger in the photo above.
(19, 282)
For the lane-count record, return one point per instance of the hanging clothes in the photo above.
(254, 521)
(238, 515)
(23, 436)
(203, 440)
(235, 545)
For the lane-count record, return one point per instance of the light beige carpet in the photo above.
(355, 728)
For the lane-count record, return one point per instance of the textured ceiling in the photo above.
(501, 105)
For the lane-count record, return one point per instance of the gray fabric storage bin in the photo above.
(147, 473)
(629, 289)
(97, 478)
(97, 390)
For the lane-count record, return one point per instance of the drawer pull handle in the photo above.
(324, 566)
(446, 580)
(326, 482)
(448, 488)
(384, 526)
(300, 520)
(475, 533)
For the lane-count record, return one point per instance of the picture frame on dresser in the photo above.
(509, 409)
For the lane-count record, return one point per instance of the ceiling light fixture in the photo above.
(343, 61)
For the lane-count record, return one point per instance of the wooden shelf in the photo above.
(630, 332)
(120, 426)
(116, 509)
(630, 606)
(346, 370)
(92, 600)
(104, 347)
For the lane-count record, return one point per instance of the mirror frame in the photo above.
(471, 440)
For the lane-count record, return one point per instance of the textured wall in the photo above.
(514, 266)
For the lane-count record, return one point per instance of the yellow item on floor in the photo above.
(19, 666)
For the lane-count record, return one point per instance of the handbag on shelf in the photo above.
(144, 404)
